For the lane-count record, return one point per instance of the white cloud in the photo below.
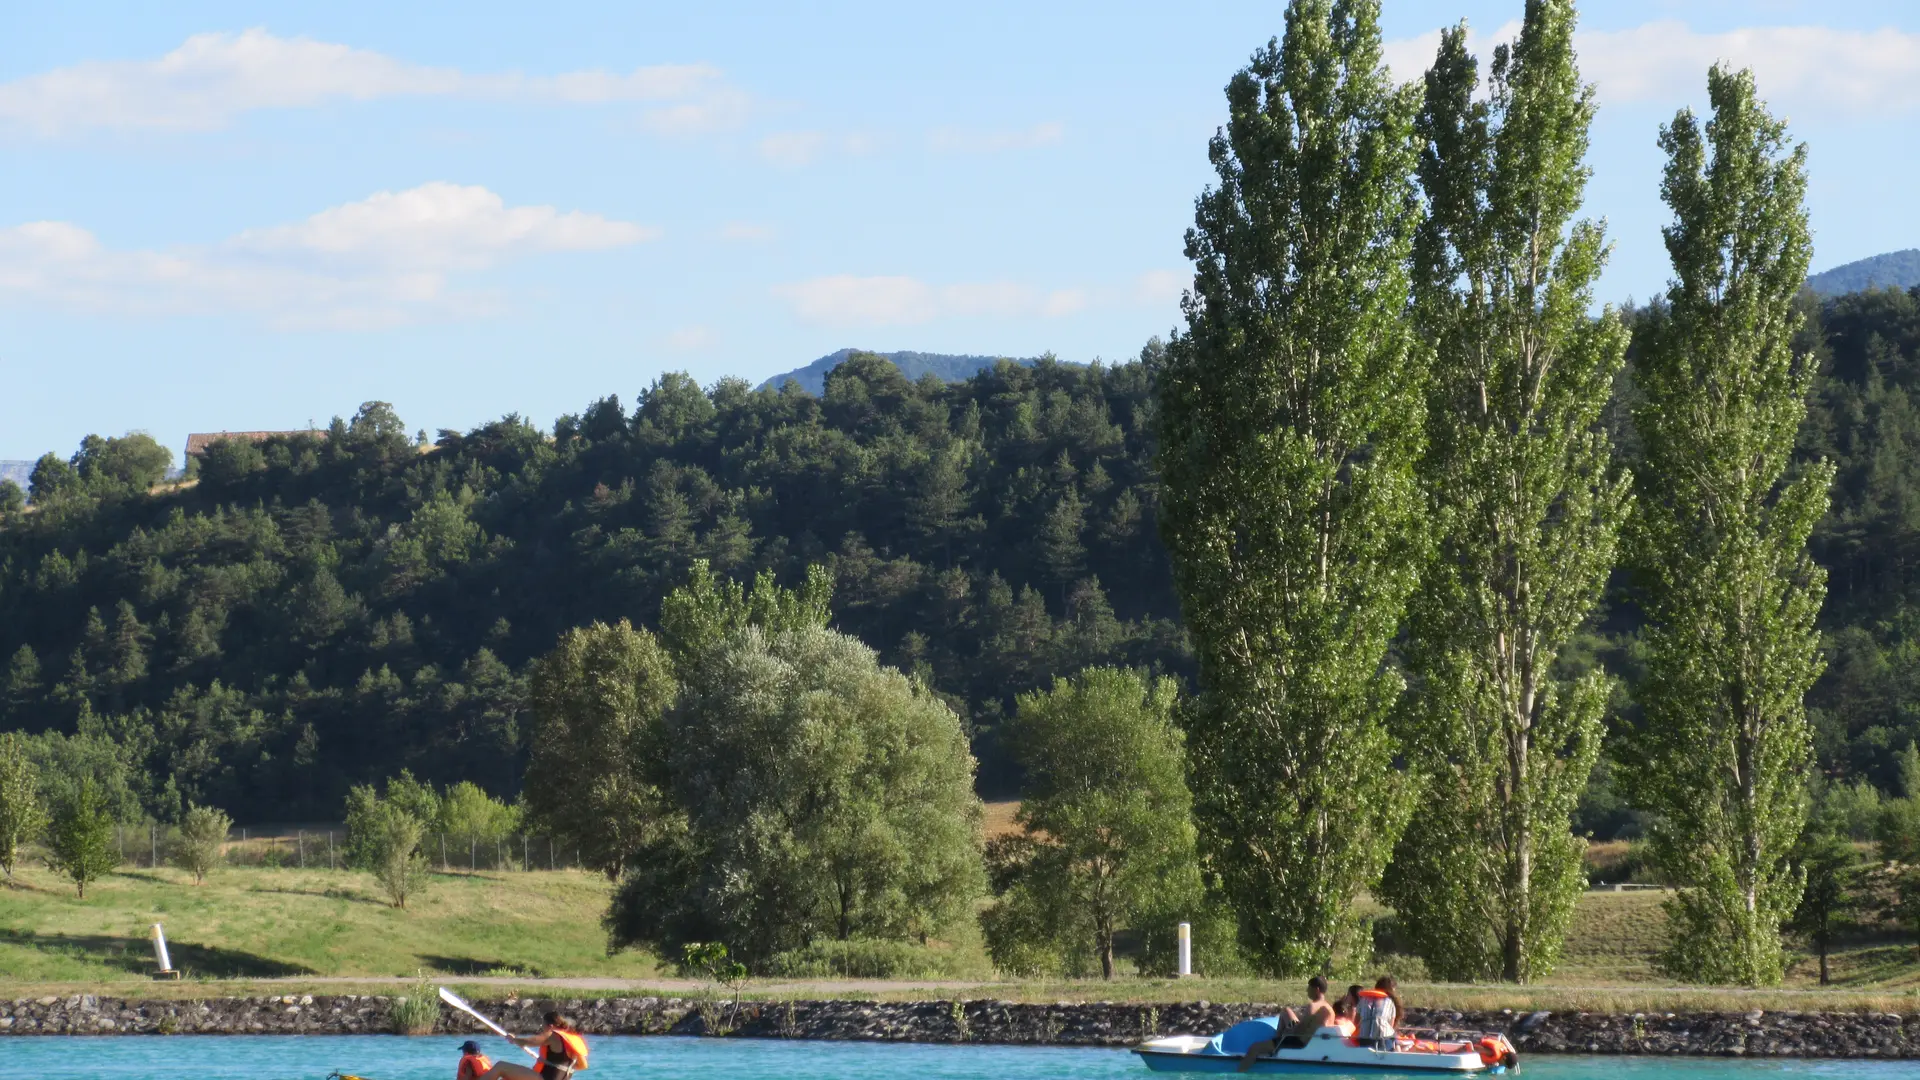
(1806, 68)
(442, 226)
(690, 339)
(1159, 287)
(793, 148)
(745, 232)
(1811, 67)
(213, 78)
(847, 300)
(959, 141)
(796, 149)
(382, 261)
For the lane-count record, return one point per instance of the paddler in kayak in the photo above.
(563, 1052)
(473, 1063)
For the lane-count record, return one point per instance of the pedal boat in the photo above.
(1331, 1050)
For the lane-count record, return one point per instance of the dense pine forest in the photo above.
(318, 611)
(313, 612)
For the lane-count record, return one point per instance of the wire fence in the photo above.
(324, 848)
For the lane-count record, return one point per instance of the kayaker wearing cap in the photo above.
(563, 1052)
(473, 1063)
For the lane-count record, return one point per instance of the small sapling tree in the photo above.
(21, 812)
(80, 841)
(201, 840)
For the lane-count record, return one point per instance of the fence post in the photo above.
(300, 845)
(549, 852)
(329, 849)
(153, 843)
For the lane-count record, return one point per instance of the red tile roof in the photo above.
(197, 443)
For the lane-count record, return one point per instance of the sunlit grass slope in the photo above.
(252, 922)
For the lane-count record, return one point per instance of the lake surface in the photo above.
(274, 1057)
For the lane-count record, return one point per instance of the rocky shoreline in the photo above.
(1750, 1034)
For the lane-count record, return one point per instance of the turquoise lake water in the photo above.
(269, 1057)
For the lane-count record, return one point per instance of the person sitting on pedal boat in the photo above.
(563, 1052)
(1378, 1014)
(1343, 1011)
(473, 1063)
(1317, 1014)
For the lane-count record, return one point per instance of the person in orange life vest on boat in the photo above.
(473, 1063)
(563, 1052)
(1379, 1012)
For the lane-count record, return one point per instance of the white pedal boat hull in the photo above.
(1328, 1053)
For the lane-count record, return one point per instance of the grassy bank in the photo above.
(252, 923)
(280, 930)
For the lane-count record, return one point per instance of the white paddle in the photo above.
(454, 1000)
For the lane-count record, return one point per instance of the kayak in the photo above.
(1414, 1051)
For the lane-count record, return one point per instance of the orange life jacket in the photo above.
(576, 1047)
(471, 1066)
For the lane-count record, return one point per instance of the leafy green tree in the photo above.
(1106, 814)
(1526, 507)
(369, 813)
(1897, 832)
(1718, 542)
(22, 814)
(24, 687)
(1831, 868)
(703, 614)
(12, 499)
(80, 839)
(129, 465)
(594, 771)
(51, 478)
(201, 840)
(1289, 415)
(229, 461)
(398, 864)
(475, 819)
(822, 793)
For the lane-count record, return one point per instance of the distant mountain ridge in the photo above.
(1898, 269)
(17, 471)
(949, 366)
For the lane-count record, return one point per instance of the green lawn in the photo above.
(252, 922)
(246, 924)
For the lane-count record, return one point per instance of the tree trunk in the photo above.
(1104, 941)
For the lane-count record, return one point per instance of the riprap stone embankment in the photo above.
(1747, 1034)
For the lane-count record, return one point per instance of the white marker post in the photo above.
(1186, 949)
(160, 955)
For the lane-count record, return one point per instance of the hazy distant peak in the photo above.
(948, 366)
(1898, 269)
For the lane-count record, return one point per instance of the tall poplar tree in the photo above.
(1290, 416)
(1718, 541)
(1526, 505)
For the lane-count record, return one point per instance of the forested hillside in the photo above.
(314, 613)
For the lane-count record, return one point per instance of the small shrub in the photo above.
(416, 1013)
(710, 961)
(864, 959)
(398, 864)
(201, 839)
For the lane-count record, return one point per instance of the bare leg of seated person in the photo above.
(510, 1070)
(1263, 1048)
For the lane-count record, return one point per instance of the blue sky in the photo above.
(232, 216)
